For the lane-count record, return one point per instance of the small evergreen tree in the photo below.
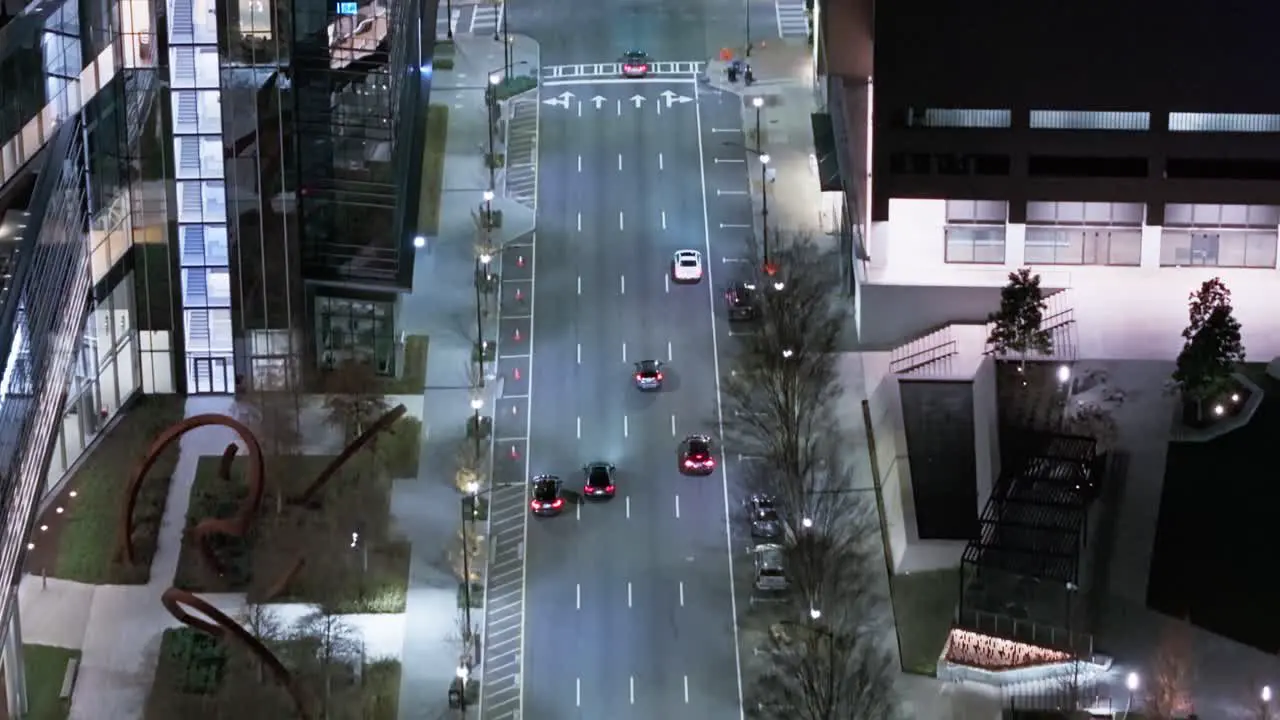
(1208, 359)
(1016, 325)
(1213, 293)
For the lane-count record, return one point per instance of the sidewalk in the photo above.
(785, 80)
(443, 306)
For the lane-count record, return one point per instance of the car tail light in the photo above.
(535, 504)
(609, 489)
(659, 376)
(639, 376)
(558, 503)
(642, 68)
(688, 463)
(628, 68)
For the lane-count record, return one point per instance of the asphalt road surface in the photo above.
(629, 602)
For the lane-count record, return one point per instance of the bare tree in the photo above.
(264, 625)
(330, 650)
(353, 398)
(466, 556)
(817, 671)
(779, 394)
(273, 410)
(1169, 690)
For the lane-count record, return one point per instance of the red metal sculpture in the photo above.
(217, 624)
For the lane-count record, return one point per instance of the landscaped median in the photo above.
(76, 538)
(433, 168)
(46, 671)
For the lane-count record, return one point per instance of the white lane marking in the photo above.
(579, 284)
(626, 431)
(729, 160)
(715, 354)
(731, 192)
(579, 427)
(619, 162)
(579, 163)
(678, 517)
(622, 281)
(735, 226)
(619, 108)
(624, 352)
(686, 688)
(579, 222)
(578, 595)
(627, 500)
(673, 425)
(659, 106)
(628, 594)
(577, 691)
(715, 130)
(621, 225)
(681, 593)
(633, 689)
(664, 219)
(579, 108)
(660, 161)
(668, 351)
(673, 80)
(577, 511)
(579, 353)
(666, 282)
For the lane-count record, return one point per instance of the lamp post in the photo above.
(449, 9)
(464, 675)
(757, 102)
(746, 6)
(506, 41)
(764, 207)
(476, 404)
(492, 92)
(1265, 697)
(482, 278)
(1131, 683)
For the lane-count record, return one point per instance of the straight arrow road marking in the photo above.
(598, 102)
(638, 100)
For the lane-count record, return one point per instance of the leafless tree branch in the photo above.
(820, 672)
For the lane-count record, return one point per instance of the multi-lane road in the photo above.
(629, 608)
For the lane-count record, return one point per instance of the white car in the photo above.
(686, 266)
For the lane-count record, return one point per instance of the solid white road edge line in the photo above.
(715, 354)
(673, 425)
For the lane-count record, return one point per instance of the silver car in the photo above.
(771, 576)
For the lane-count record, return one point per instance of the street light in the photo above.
(419, 241)
(779, 285)
(1266, 701)
(492, 96)
(764, 204)
(814, 613)
(482, 277)
(787, 353)
(757, 102)
(807, 523)
(476, 404)
(1131, 683)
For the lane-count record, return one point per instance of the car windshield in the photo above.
(544, 490)
(599, 476)
(699, 447)
(688, 261)
(772, 572)
(635, 56)
(648, 367)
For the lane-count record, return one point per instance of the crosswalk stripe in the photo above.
(613, 69)
(793, 18)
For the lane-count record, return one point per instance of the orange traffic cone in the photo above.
(516, 374)
(513, 409)
(516, 336)
(515, 454)
(519, 295)
(519, 261)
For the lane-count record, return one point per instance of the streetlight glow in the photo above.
(779, 285)
(473, 487)
(477, 403)
(488, 196)
(806, 522)
(764, 159)
(462, 672)
(419, 241)
(485, 259)
(1266, 693)
(814, 613)
(495, 78)
(788, 353)
(1131, 681)
(1064, 373)
(757, 102)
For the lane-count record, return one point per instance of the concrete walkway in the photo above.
(117, 628)
(443, 306)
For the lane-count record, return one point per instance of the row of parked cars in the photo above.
(768, 531)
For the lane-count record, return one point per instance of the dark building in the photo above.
(1133, 132)
(298, 143)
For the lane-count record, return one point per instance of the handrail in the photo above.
(926, 363)
(929, 349)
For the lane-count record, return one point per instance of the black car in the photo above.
(696, 457)
(597, 480)
(547, 499)
(635, 64)
(766, 524)
(740, 299)
(648, 375)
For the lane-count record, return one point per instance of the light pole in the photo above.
(1131, 683)
(449, 9)
(757, 102)
(464, 675)
(746, 6)
(492, 92)
(476, 404)
(506, 41)
(764, 208)
(1265, 696)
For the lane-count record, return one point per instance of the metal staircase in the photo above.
(186, 111)
(197, 287)
(197, 330)
(193, 245)
(188, 157)
(182, 24)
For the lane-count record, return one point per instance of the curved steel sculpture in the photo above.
(218, 625)
(379, 426)
(236, 525)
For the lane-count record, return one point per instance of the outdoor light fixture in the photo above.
(473, 487)
(1131, 682)
(419, 241)
(495, 78)
(1235, 397)
(1266, 693)
(757, 102)
(788, 353)
(779, 285)
(1218, 410)
(806, 522)
(764, 159)
(1064, 374)
(462, 672)
(488, 196)
(485, 259)
(355, 539)
(814, 613)
(476, 403)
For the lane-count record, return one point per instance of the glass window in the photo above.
(1223, 122)
(1082, 246)
(1218, 248)
(1089, 120)
(984, 212)
(126, 370)
(975, 244)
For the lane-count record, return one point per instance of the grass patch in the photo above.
(515, 85)
(81, 541)
(46, 667)
(382, 690)
(433, 168)
(371, 577)
(414, 377)
(400, 446)
(924, 604)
